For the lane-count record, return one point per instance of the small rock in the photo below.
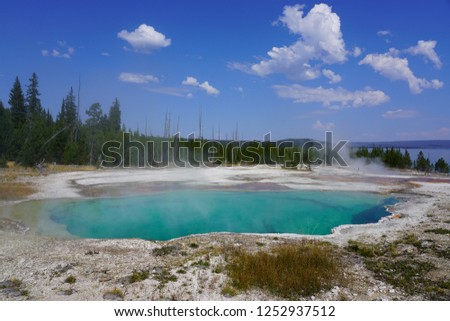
(63, 269)
(105, 279)
(157, 270)
(112, 297)
(426, 244)
(90, 252)
(65, 292)
(6, 284)
(12, 292)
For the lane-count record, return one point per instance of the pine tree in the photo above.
(114, 117)
(18, 119)
(17, 105)
(32, 98)
(94, 129)
(64, 146)
(5, 131)
(422, 163)
(70, 109)
(441, 166)
(33, 149)
(407, 159)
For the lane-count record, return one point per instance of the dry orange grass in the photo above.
(11, 188)
(13, 167)
(68, 168)
(15, 190)
(288, 271)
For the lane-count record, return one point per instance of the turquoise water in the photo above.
(174, 214)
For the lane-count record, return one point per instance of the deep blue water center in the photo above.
(168, 215)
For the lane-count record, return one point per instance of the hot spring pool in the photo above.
(168, 215)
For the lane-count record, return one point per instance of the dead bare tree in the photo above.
(41, 166)
(200, 124)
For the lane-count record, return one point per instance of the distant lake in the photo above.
(432, 153)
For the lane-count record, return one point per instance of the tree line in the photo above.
(29, 134)
(394, 158)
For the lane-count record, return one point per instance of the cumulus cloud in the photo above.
(396, 68)
(399, 113)
(137, 78)
(426, 49)
(63, 51)
(210, 90)
(192, 81)
(329, 96)
(332, 76)
(144, 39)
(320, 126)
(319, 42)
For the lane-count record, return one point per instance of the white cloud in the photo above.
(399, 113)
(384, 33)
(137, 78)
(105, 54)
(327, 126)
(357, 52)
(396, 68)
(329, 96)
(191, 81)
(426, 49)
(63, 52)
(144, 39)
(320, 42)
(210, 90)
(332, 76)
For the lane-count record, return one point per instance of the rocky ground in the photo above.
(403, 257)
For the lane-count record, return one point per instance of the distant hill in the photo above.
(298, 142)
(411, 144)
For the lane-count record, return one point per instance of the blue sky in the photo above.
(368, 70)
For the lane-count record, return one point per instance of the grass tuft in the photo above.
(194, 245)
(114, 293)
(70, 279)
(228, 291)
(442, 231)
(138, 276)
(164, 250)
